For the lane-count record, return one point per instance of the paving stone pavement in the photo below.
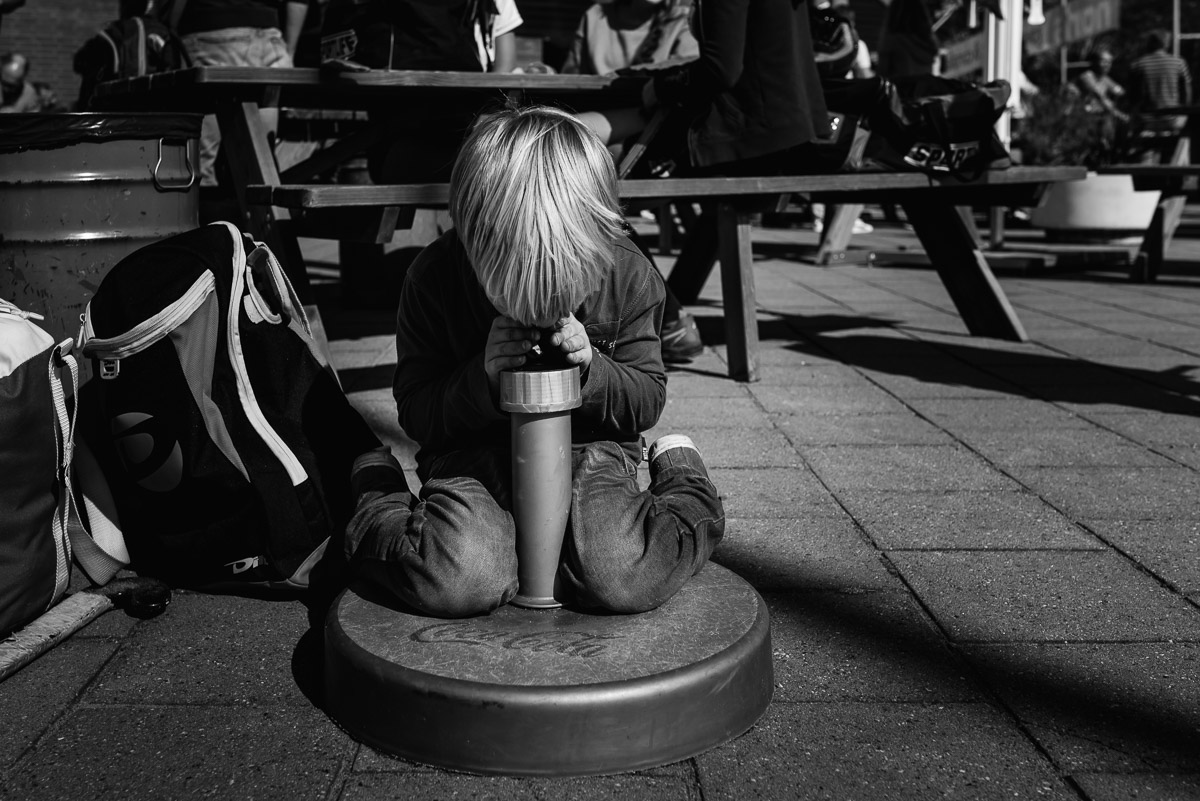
(981, 561)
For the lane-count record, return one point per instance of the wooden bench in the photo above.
(1170, 179)
(929, 203)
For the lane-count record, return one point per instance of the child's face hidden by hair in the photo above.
(533, 195)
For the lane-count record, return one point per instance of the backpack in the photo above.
(128, 48)
(40, 526)
(224, 435)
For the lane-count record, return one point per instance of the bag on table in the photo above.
(128, 48)
(225, 437)
(40, 527)
(942, 126)
(855, 106)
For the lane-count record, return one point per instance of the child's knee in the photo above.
(479, 578)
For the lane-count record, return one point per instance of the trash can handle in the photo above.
(179, 186)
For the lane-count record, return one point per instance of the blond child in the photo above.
(537, 244)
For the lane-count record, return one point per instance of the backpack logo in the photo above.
(928, 156)
(149, 451)
(242, 565)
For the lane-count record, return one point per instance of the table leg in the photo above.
(837, 230)
(1166, 220)
(964, 271)
(247, 148)
(1148, 263)
(737, 289)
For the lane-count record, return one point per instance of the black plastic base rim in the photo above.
(572, 728)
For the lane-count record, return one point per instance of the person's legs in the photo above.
(614, 125)
(233, 47)
(679, 335)
(452, 553)
(629, 550)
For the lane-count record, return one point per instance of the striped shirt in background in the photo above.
(1160, 80)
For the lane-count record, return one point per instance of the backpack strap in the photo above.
(96, 538)
(85, 527)
(64, 420)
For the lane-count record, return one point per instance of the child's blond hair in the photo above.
(533, 195)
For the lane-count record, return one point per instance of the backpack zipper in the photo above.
(258, 420)
(109, 351)
(141, 46)
(12, 311)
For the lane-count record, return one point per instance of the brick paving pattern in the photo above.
(981, 558)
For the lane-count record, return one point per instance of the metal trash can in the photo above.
(79, 192)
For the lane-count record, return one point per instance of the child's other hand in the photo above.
(571, 338)
(507, 345)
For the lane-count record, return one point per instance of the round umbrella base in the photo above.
(552, 692)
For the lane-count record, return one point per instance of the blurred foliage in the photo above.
(1137, 18)
(1056, 129)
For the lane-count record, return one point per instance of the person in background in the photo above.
(1160, 80)
(21, 95)
(907, 43)
(1101, 93)
(496, 37)
(840, 54)
(753, 97)
(455, 35)
(616, 35)
(236, 33)
(750, 103)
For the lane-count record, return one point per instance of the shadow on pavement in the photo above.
(1081, 714)
(1063, 379)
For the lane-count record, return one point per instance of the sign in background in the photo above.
(1070, 22)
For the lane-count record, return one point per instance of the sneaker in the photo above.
(674, 449)
(681, 339)
(377, 471)
(861, 226)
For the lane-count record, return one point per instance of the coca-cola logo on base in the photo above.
(567, 643)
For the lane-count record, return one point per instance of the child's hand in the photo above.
(571, 338)
(507, 344)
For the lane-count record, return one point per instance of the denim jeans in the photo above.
(452, 551)
(233, 47)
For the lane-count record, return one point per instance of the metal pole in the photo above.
(1175, 27)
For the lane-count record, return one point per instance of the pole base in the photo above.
(535, 602)
(558, 693)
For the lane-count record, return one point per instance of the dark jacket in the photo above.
(441, 390)
(201, 16)
(754, 89)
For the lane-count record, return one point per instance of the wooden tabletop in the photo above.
(198, 88)
(324, 195)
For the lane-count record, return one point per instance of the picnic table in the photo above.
(236, 96)
(277, 208)
(1171, 178)
(930, 203)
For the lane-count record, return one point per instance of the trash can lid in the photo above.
(50, 131)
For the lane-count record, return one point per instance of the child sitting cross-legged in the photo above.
(537, 245)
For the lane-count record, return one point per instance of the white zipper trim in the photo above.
(141, 46)
(258, 420)
(147, 332)
(9, 309)
(255, 298)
